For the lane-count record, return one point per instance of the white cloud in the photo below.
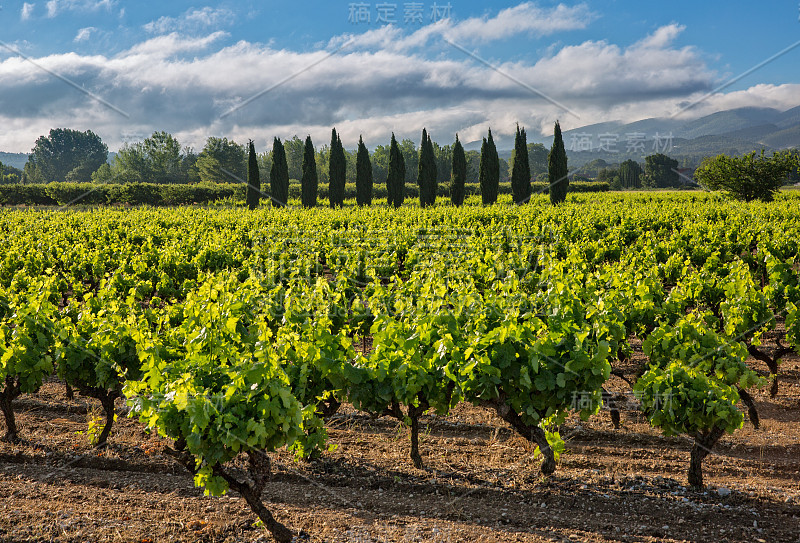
(26, 11)
(84, 34)
(524, 19)
(54, 7)
(192, 21)
(662, 37)
(185, 85)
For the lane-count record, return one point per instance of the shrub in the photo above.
(749, 177)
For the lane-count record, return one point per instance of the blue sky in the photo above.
(202, 68)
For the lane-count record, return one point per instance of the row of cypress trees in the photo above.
(489, 173)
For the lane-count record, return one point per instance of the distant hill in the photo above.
(735, 131)
(738, 121)
(723, 122)
(16, 160)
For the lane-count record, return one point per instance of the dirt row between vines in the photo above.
(480, 482)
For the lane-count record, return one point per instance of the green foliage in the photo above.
(221, 161)
(520, 309)
(630, 174)
(427, 176)
(253, 178)
(66, 153)
(94, 346)
(458, 175)
(520, 169)
(337, 170)
(556, 443)
(749, 177)
(537, 158)
(158, 159)
(660, 171)
(395, 180)
(684, 400)
(489, 174)
(213, 380)
(279, 175)
(27, 323)
(693, 343)
(557, 170)
(9, 174)
(309, 182)
(363, 176)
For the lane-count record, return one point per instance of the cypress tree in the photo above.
(279, 175)
(489, 171)
(426, 172)
(421, 171)
(253, 180)
(458, 175)
(557, 168)
(494, 171)
(483, 168)
(337, 168)
(521, 170)
(309, 182)
(363, 175)
(630, 174)
(396, 178)
(433, 185)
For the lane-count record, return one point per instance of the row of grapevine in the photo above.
(239, 333)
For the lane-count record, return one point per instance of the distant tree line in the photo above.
(9, 174)
(71, 156)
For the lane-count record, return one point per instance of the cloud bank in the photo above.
(186, 78)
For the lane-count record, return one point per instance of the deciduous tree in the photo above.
(56, 155)
(749, 177)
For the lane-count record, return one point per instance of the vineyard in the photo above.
(502, 373)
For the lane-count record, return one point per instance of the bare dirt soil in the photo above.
(480, 482)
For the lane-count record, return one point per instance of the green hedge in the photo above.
(32, 195)
(62, 194)
(470, 189)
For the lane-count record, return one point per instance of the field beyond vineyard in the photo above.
(388, 310)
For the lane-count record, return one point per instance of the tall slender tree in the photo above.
(433, 185)
(426, 173)
(489, 171)
(521, 169)
(337, 168)
(253, 178)
(363, 175)
(630, 174)
(557, 168)
(458, 175)
(396, 177)
(309, 183)
(279, 175)
(483, 177)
